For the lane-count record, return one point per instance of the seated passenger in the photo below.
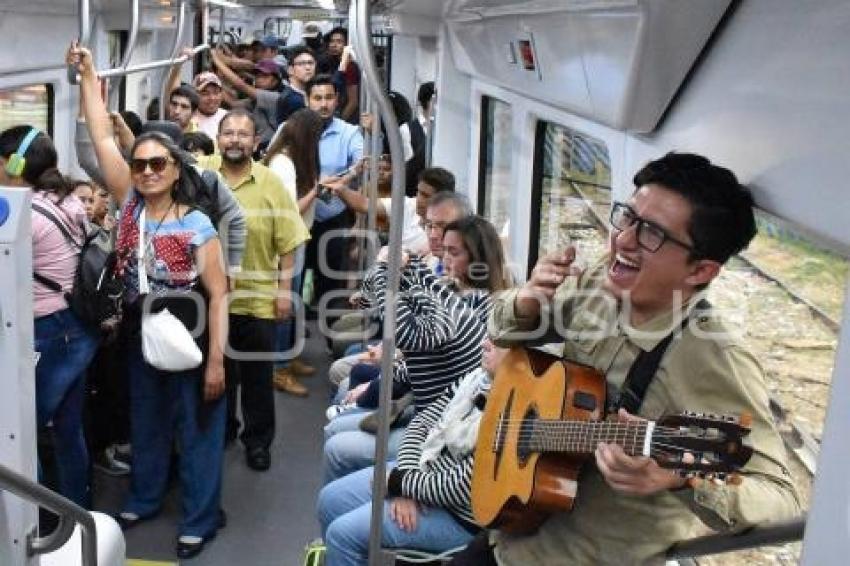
(182, 263)
(428, 506)
(64, 344)
(475, 268)
(437, 333)
(685, 219)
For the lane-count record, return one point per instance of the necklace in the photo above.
(149, 243)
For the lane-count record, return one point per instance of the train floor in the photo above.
(271, 515)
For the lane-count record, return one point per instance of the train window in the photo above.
(31, 104)
(571, 192)
(494, 174)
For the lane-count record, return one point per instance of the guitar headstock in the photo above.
(702, 445)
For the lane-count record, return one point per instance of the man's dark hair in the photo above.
(152, 111)
(439, 178)
(236, 112)
(297, 50)
(186, 91)
(722, 221)
(198, 141)
(425, 93)
(337, 30)
(133, 121)
(319, 80)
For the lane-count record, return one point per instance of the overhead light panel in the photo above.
(225, 3)
(327, 4)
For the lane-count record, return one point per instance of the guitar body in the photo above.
(513, 488)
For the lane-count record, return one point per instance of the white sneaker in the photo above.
(336, 410)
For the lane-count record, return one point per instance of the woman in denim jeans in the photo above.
(181, 256)
(65, 346)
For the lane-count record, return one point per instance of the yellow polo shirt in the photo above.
(275, 228)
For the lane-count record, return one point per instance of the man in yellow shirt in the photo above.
(686, 218)
(261, 289)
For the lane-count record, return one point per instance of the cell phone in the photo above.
(325, 193)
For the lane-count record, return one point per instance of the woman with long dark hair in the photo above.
(65, 345)
(182, 259)
(294, 156)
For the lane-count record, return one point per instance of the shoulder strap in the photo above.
(644, 368)
(49, 283)
(58, 223)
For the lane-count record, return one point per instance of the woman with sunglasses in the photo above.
(64, 344)
(182, 257)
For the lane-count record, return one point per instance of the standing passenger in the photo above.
(182, 259)
(295, 158)
(340, 148)
(262, 291)
(64, 344)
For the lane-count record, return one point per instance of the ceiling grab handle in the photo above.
(84, 14)
(115, 86)
(367, 60)
(175, 49)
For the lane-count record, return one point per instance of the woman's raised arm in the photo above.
(113, 167)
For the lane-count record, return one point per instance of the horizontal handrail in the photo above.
(151, 65)
(757, 535)
(70, 514)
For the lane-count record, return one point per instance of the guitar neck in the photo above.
(579, 437)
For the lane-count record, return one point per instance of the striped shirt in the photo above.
(438, 332)
(446, 481)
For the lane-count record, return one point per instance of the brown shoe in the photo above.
(288, 383)
(301, 369)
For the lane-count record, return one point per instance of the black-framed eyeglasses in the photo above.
(157, 164)
(650, 236)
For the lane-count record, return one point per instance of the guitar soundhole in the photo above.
(525, 447)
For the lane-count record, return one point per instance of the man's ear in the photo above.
(702, 272)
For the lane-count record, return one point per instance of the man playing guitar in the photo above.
(686, 218)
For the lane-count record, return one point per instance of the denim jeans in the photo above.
(66, 348)
(285, 332)
(345, 508)
(160, 404)
(348, 449)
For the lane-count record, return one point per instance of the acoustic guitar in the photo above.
(542, 421)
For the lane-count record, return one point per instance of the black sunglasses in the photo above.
(157, 164)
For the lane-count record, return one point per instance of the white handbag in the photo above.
(166, 343)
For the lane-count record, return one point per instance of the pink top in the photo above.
(52, 255)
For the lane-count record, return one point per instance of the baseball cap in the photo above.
(311, 29)
(204, 79)
(270, 41)
(268, 67)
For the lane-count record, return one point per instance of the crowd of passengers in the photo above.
(230, 194)
(223, 195)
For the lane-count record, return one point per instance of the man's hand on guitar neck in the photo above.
(632, 474)
(551, 270)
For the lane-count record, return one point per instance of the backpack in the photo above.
(97, 291)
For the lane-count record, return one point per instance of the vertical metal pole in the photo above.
(175, 49)
(367, 57)
(84, 15)
(220, 27)
(115, 84)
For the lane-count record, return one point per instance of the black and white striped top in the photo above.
(439, 331)
(447, 480)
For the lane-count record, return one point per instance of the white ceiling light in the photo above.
(225, 3)
(327, 4)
